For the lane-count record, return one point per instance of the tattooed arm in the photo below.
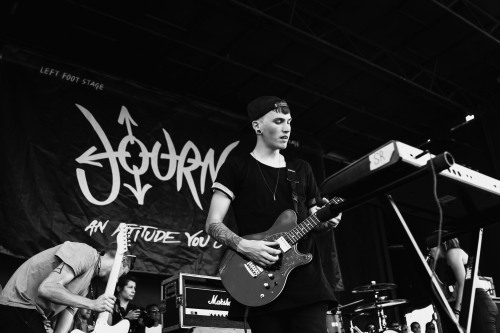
(53, 288)
(222, 234)
(258, 251)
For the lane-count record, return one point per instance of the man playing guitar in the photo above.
(256, 186)
(53, 284)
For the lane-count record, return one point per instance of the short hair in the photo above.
(395, 324)
(150, 306)
(370, 326)
(124, 280)
(414, 324)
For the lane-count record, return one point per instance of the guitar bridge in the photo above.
(253, 269)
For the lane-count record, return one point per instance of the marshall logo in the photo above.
(216, 301)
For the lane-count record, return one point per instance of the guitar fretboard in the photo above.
(301, 230)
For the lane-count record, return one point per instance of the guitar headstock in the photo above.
(122, 239)
(324, 213)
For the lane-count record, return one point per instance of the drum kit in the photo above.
(378, 304)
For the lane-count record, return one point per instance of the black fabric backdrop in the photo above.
(82, 152)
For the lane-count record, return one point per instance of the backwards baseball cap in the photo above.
(262, 105)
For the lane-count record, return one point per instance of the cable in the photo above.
(245, 317)
(440, 209)
(440, 228)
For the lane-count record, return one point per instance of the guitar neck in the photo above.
(111, 285)
(304, 227)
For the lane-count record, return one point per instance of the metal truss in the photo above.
(474, 16)
(355, 50)
(302, 24)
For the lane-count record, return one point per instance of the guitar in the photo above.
(253, 285)
(101, 325)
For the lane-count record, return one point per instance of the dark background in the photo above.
(355, 73)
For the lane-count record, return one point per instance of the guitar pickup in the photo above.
(253, 269)
(284, 246)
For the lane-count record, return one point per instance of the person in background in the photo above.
(83, 321)
(52, 284)
(415, 327)
(152, 321)
(48, 326)
(395, 326)
(371, 328)
(123, 308)
(450, 262)
(430, 327)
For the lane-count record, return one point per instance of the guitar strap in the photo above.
(298, 189)
(291, 176)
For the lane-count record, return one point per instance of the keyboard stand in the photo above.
(447, 318)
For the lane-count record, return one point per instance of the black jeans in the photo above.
(485, 313)
(20, 320)
(310, 318)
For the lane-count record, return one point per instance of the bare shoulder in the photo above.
(457, 255)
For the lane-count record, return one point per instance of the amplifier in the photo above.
(195, 301)
(487, 284)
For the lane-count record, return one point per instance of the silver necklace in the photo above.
(265, 181)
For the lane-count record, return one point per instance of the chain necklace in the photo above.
(265, 181)
(93, 292)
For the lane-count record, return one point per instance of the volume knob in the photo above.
(266, 285)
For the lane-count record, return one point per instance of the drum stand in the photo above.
(380, 302)
(352, 328)
(351, 316)
(382, 323)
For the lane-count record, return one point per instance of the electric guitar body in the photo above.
(252, 285)
(121, 327)
(263, 288)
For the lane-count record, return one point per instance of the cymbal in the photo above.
(353, 315)
(374, 287)
(380, 304)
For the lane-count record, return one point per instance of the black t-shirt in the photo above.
(119, 314)
(255, 210)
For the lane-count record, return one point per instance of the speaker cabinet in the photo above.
(195, 301)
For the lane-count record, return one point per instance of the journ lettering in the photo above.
(182, 165)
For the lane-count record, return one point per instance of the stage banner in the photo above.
(82, 152)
